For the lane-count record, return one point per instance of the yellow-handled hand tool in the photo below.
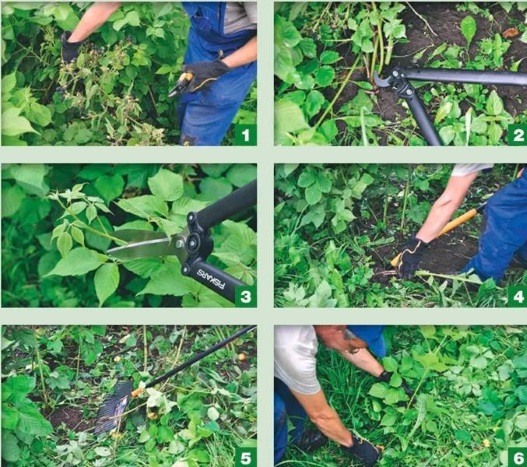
(448, 227)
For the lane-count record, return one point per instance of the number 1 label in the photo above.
(245, 135)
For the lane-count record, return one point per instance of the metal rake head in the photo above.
(113, 407)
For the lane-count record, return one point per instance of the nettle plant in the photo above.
(85, 216)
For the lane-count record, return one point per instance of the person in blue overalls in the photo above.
(221, 58)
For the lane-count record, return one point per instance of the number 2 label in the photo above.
(517, 135)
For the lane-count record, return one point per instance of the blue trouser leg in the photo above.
(505, 233)
(206, 116)
(280, 428)
(295, 412)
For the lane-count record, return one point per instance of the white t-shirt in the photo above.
(295, 350)
(460, 170)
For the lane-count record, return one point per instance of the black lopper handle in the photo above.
(213, 278)
(506, 78)
(226, 207)
(201, 355)
(421, 117)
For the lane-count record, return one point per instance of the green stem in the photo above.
(41, 373)
(339, 92)
(145, 350)
(405, 199)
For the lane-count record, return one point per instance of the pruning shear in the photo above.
(181, 85)
(193, 244)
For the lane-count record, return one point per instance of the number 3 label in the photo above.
(245, 296)
(517, 135)
(245, 457)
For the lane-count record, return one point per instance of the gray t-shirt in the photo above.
(461, 170)
(295, 349)
(238, 16)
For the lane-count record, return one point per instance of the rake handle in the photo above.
(195, 359)
(448, 227)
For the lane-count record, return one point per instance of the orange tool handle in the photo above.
(447, 228)
(137, 392)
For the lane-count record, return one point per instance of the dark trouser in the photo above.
(286, 407)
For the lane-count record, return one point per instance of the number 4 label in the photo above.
(517, 297)
(245, 457)
(517, 457)
(517, 135)
(245, 296)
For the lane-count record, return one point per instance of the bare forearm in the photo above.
(244, 55)
(364, 360)
(330, 424)
(94, 17)
(445, 206)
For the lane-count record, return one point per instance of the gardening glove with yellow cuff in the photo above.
(70, 50)
(204, 74)
(363, 450)
(410, 258)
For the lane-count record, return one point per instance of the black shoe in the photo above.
(311, 440)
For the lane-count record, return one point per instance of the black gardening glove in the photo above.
(363, 450)
(204, 74)
(410, 257)
(311, 440)
(70, 50)
(386, 376)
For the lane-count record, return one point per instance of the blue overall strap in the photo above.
(207, 39)
(505, 231)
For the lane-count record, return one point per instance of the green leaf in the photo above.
(10, 448)
(314, 101)
(10, 417)
(328, 57)
(494, 104)
(306, 178)
(289, 119)
(166, 185)
(31, 178)
(39, 114)
(468, 28)
(16, 388)
(64, 243)
(78, 262)
(168, 280)
(109, 186)
(106, 281)
(378, 390)
(8, 83)
(31, 421)
(313, 195)
(13, 124)
(214, 188)
(241, 174)
(324, 76)
(12, 198)
(146, 206)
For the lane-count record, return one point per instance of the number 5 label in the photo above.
(245, 457)
(245, 296)
(517, 135)
(517, 297)
(517, 457)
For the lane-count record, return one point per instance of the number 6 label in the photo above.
(245, 296)
(517, 457)
(517, 135)
(245, 457)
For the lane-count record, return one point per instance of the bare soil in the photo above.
(71, 416)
